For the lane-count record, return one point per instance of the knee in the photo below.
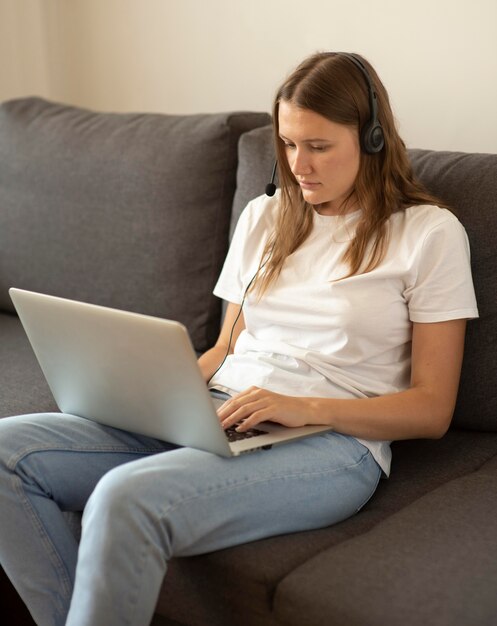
(122, 509)
(117, 496)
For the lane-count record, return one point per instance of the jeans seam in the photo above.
(14, 460)
(225, 488)
(52, 552)
(133, 602)
(373, 490)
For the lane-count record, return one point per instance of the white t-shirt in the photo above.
(311, 335)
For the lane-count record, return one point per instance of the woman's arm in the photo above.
(212, 358)
(422, 411)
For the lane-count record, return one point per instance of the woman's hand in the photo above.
(256, 405)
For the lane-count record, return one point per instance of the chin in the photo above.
(314, 197)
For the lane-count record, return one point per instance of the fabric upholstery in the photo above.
(256, 157)
(23, 386)
(434, 562)
(129, 211)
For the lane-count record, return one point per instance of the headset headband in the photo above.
(372, 137)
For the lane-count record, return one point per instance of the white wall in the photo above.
(23, 50)
(437, 58)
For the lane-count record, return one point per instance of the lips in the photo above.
(304, 184)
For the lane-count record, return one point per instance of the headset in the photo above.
(372, 138)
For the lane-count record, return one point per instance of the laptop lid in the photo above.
(130, 371)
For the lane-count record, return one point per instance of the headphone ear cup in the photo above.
(372, 138)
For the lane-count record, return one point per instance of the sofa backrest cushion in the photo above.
(123, 210)
(256, 157)
(468, 184)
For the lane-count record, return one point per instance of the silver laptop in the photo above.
(134, 372)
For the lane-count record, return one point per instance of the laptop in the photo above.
(135, 372)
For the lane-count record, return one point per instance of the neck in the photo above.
(349, 205)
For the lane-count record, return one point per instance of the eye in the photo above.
(319, 148)
(288, 144)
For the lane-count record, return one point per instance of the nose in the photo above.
(300, 162)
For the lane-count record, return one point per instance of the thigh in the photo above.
(66, 455)
(202, 502)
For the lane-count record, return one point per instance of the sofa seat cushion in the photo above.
(249, 575)
(433, 562)
(124, 210)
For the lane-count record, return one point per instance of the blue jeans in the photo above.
(146, 501)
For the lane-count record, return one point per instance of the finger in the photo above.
(228, 410)
(234, 403)
(256, 416)
(248, 413)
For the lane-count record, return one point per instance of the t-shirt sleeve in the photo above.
(229, 285)
(443, 286)
(245, 250)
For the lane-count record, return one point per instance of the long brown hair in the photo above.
(331, 85)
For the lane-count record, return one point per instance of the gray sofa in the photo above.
(134, 211)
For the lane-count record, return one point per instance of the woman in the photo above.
(355, 290)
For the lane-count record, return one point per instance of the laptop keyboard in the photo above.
(234, 435)
(231, 434)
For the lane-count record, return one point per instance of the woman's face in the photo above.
(323, 156)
